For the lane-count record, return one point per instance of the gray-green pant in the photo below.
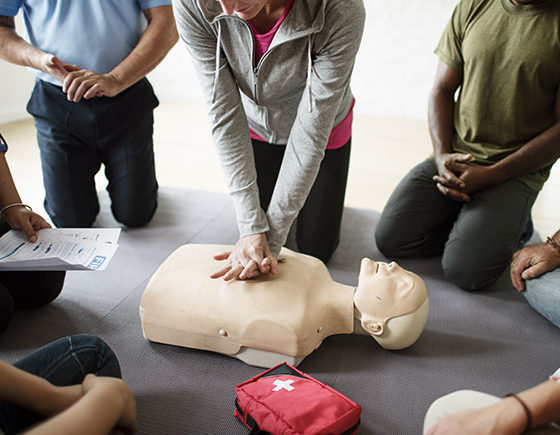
(477, 239)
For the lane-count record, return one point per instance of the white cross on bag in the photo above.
(283, 384)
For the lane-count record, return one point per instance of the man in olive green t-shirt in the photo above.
(493, 147)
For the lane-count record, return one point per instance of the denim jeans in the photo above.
(63, 362)
(543, 294)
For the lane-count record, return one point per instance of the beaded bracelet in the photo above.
(17, 204)
(552, 243)
(529, 424)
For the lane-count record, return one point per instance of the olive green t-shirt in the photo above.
(510, 59)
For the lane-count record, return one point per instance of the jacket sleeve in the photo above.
(230, 129)
(333, 54)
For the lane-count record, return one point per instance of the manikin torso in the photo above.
(284, 317)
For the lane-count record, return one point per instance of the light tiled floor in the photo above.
(383, 150)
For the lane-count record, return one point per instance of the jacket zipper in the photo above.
(256, 68)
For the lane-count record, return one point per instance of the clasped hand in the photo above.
(250, 257)
(80, 83)
(457, 179)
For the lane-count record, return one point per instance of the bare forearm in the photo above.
(544, 402)
(95, 413)
(441, 107)
(508, 416)
(538, 153)
(21, 388)
(34, 393)
(154, 44)
(8, 191)
(15, 49)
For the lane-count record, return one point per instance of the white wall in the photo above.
(15, 86)
(394, 69)
(396, 62)
(393, 74)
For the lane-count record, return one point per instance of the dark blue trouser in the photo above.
(477, 239)
(318, 222)
(63, 362)
(76, 138)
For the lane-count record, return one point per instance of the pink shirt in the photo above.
(341, 133)
(263, 40)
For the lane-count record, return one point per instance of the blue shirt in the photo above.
(92, 34)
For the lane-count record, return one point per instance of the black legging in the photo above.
(26, 289)
(318, 222)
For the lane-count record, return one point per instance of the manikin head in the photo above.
(391, 304)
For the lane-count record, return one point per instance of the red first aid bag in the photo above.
(285, 401)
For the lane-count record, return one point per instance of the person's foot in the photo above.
(527, 233)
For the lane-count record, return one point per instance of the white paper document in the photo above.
(59, 249)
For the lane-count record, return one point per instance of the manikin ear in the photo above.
(374, 328)
(368, 267)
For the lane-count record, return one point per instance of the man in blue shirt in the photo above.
(92, 103)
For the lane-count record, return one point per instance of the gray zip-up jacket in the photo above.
(297, 92)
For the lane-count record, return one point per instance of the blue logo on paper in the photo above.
(97, 261)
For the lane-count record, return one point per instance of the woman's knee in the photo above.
(32, 289)
(51, 286)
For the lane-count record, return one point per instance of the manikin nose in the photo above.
(391, 265)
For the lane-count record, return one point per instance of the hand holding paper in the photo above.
(59, 249)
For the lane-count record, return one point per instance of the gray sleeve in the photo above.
(334, 52)
(230, 129)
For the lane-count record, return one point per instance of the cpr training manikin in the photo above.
(283, 317)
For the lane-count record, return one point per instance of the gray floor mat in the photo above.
(490, 341)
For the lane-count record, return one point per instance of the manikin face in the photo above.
(386, 291)
(244, 9)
